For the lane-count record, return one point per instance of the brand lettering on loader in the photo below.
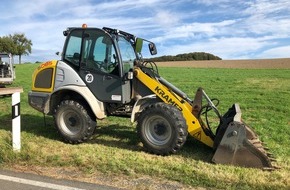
(169, 100)
(48, 63)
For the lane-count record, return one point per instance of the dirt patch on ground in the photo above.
(241, 64)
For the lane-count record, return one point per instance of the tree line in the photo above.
(187, 57)
(16, 44)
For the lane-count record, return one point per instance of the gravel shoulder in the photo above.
(120, 181)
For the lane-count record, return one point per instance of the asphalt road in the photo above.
(22, 181)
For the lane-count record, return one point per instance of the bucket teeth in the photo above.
(255, 141)
(272, 159)
(260, 145)
(270, 154)
(269, 169)
(266, 148)
(272, 168)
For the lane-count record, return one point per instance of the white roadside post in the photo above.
(16, 120)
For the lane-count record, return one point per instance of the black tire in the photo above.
(74, 123)
(162, 129)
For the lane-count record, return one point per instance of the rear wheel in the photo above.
(74, 122)
(162, 129)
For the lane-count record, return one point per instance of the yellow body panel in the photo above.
(194, 126)
(49, 65)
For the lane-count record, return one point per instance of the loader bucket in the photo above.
(237, 144)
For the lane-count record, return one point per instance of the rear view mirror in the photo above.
(152, 48)
(139, 45)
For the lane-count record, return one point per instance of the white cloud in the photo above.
(166, 19)
(267, 16)
(213, 2)
(226, 48)
(195, 31)
(277, 52)
(266, 7)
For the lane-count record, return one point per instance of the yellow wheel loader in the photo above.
(102, 73)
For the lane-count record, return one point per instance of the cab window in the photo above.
(127, 53)
(99, 53)
(73, 49)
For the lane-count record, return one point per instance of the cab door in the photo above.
(100, 68)
(100, 65)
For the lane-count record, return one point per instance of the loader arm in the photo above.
(168, 96)
(234, 143)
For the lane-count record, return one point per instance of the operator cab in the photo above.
(104, 58)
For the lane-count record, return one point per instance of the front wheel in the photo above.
(74, 122)
(162, 129)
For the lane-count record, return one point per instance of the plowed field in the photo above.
(243, 64)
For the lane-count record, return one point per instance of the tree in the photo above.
(7, 45)
(23, 45)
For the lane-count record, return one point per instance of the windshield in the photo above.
(127, 53)
(5, 59)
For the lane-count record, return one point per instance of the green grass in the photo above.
(264, 97)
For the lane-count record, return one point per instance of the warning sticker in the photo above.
(197, 135)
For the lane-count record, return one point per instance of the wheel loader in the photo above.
(102, 72)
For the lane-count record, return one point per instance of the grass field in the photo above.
(115, 156)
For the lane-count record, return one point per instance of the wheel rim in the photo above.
(157, 130)
(71, 122)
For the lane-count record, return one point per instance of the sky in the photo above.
(255, 29)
